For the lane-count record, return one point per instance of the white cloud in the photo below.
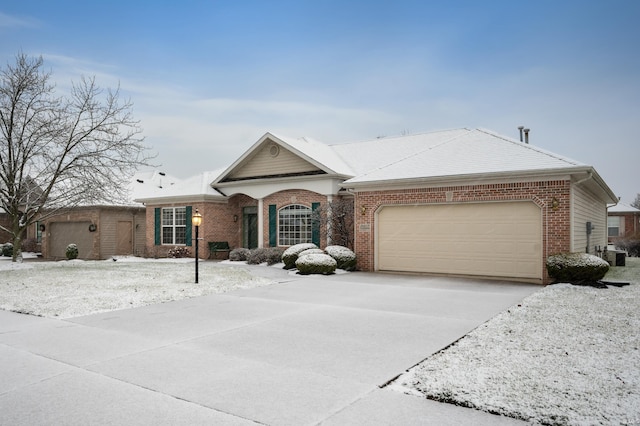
(13, 22)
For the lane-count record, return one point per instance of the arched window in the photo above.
(294, 225)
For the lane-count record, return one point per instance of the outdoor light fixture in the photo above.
(555, 204)
(363, 210)
(196, 220)
(235, 217)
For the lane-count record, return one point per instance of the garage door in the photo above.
(487, 239)
(65, 233)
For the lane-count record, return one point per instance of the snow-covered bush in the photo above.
(290, 255)
(268, 255)
(316, 263)
(7, 249)
(312, 251)
(239, 254)
(71, 252)
(576, 267)
(345, 258)
(178, 252)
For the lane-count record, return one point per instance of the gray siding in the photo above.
(263, 163)
(108, 230)
(586, 207)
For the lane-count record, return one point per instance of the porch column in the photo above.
(260, 223)
(329, 221)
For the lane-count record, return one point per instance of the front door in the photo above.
(250, 227)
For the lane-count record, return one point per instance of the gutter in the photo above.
(454, 179)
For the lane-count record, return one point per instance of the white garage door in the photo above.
(502, 239)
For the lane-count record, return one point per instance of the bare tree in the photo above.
(336, 219)
(636, 202)
(58, 152)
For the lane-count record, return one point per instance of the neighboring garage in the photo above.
(493, 239)
(65, 233)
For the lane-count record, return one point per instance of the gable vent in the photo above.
(274, 150)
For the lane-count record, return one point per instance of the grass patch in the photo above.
(630, 272)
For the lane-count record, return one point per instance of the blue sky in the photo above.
(208, 78)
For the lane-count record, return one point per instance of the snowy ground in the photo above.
(565, 355)
(74, 288)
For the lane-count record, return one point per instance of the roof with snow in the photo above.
(623, 208)
(444, 154)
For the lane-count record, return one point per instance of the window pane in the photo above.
(181, 216)
(181, 235)
(167, 235)
(294, 225)
(167, 217)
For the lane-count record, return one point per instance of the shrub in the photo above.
(268, 255)
(71, 252)
(7, 249)
(178, 252)
(345, 258)
(631, 245)
(239, 254)
(290, 255)
(576, 268)
(311, 251)
(316, 263)
(30, 245)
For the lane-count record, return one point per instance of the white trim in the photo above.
(260, 223)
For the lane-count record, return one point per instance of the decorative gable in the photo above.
(270, 160)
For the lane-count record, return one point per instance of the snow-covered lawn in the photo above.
(565, 355)
(74, 288)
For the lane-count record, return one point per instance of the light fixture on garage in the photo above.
(555, 204)
(363, 210)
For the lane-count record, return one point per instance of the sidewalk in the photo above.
(308, 350)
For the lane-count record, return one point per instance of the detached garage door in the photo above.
(486, 239)
(65, 233)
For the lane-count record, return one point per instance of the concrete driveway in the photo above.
(305, 351)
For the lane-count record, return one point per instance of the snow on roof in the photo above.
(318, 153)
(198, 186)
(623, 208)
(448, 153)
(151, 183)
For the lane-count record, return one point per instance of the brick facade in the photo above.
(556, 217)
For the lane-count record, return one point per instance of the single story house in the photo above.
(623, 221)
(100, 231)
(464, 202)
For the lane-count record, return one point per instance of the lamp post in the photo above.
(196, 220)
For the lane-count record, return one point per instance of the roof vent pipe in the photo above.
(520, 128)
(526, 136)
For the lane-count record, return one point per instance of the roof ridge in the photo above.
(416, 153)
(387, 138)
(531, 147)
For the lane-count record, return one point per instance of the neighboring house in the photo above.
(100, 231)
(465, 202)
(623, 221)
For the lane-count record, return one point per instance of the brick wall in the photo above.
(221, 221)
(556, 217)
